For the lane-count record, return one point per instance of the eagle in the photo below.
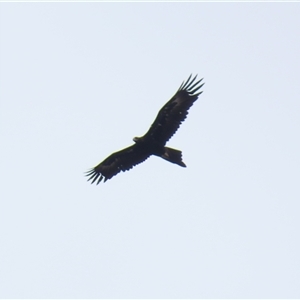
(167, 121)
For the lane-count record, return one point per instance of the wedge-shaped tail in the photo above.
(174, 156)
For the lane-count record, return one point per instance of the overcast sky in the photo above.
(79, 80)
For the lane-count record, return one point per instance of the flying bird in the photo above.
(168, 120)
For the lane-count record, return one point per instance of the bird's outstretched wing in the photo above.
(122, 160)
(174, 112)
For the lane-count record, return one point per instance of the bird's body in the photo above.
(168, 120)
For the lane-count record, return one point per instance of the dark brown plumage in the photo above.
(168, 120)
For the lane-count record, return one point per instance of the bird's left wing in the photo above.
(174, 112)
(122, 160)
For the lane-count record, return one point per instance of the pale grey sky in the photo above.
(79, 80)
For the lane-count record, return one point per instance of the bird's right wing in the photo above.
(122, 160)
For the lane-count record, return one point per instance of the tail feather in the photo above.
(174, 156)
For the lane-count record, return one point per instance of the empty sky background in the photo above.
(79, 81)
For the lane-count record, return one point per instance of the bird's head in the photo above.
(136, 139)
